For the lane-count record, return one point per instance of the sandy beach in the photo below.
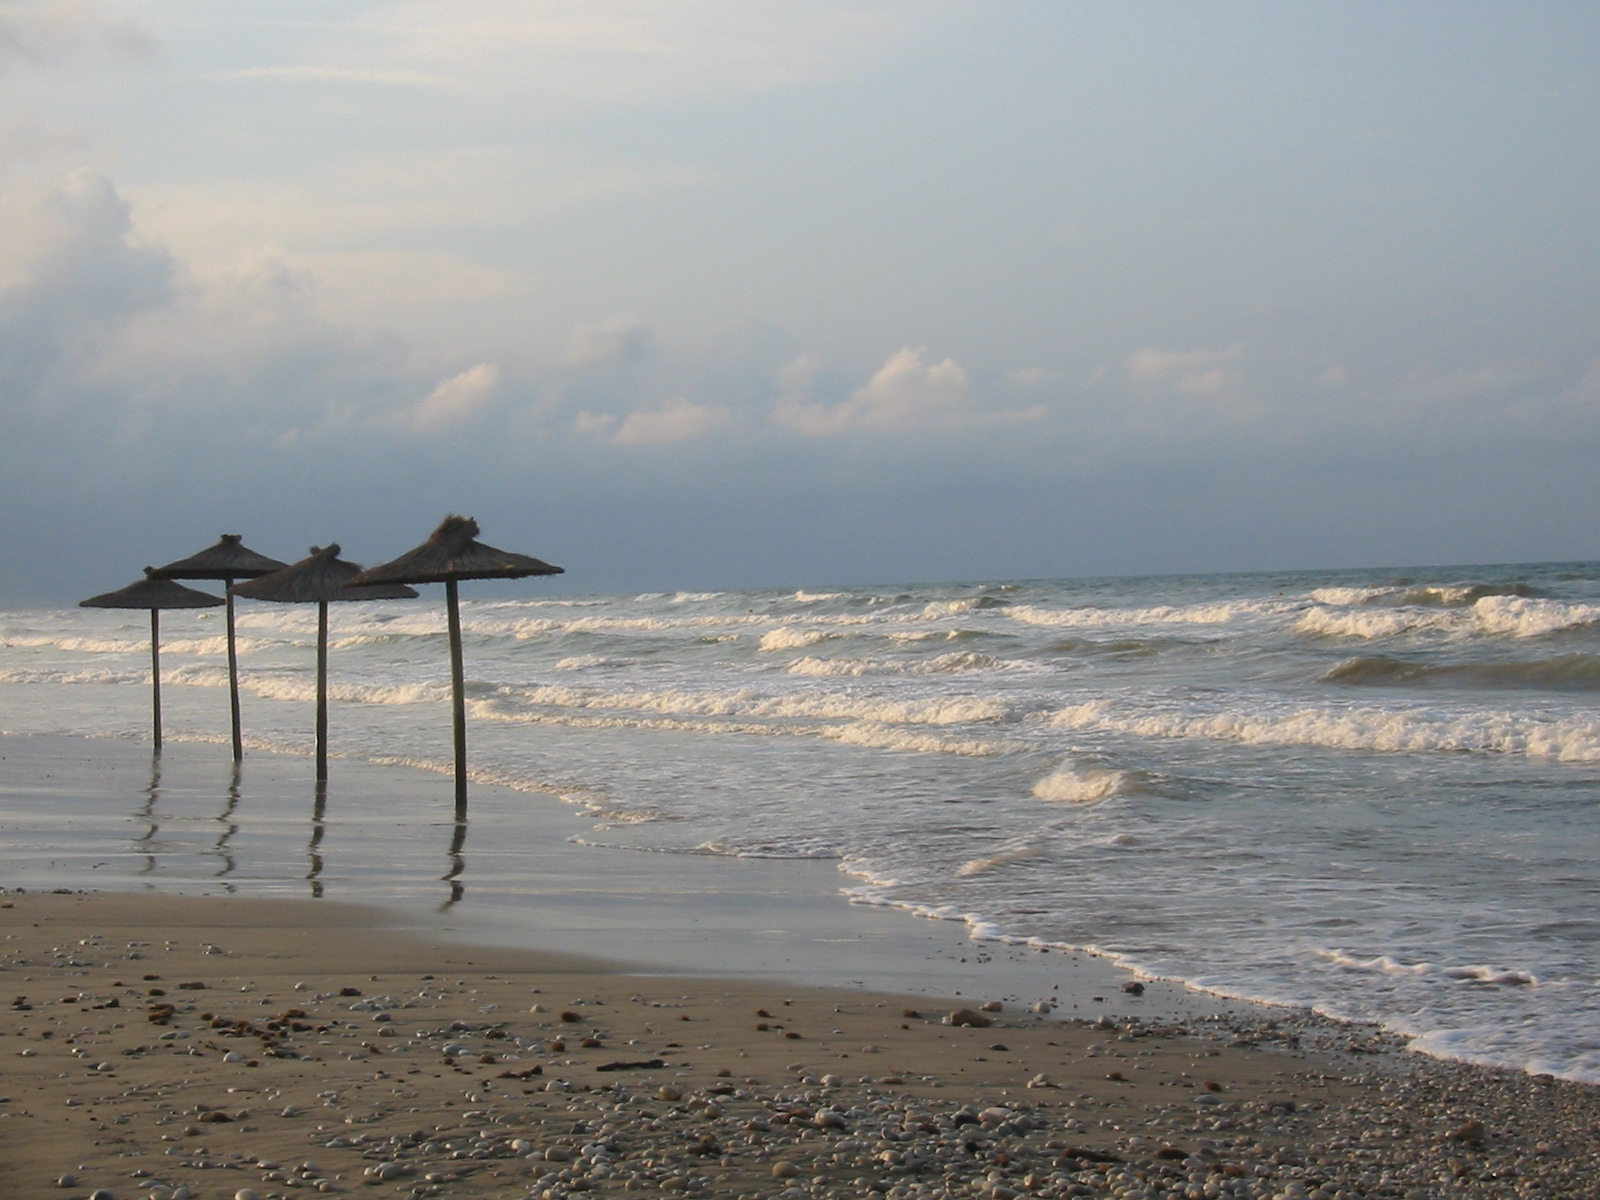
(178, 1047)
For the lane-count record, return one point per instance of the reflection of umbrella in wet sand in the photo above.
(228, 560)
(155, 594)
(318, 579)
(447, 557)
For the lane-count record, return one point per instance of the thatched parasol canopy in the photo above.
(320, 577)
(453, 553)
(153, 592)
(230, 558)
(449, 556)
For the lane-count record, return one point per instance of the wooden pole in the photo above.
(233, 673)
(155, 670)
(458, 697)
(322, 690)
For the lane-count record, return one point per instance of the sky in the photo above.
(723, 293)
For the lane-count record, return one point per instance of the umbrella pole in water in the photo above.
(458, 703)
(155, 670)
(322, 690)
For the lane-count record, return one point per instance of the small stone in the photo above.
(965, 1016)
(992, 1006)
(784, 1170)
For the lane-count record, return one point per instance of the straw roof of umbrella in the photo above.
(452, 552)
(230, 558)
(321, 576)
(153, 592)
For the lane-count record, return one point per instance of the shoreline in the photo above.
(197, 828)
(191, 1048)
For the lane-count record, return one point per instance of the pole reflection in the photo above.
(319, 827)
(147, 812)
(229, 828)
(458, 865)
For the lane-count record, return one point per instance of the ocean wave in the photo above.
(1488, 616)
(1089, 785)
(952, 709)
(1380, 730)
(1533, 618)
(1569, 672)
(942, 665)
(1219, 613)
(935, 609)
(1459, 595)
(1369, 624)
(997, 861)
(592, 662)
(886, 737)
(787, 637)
(1474, 973)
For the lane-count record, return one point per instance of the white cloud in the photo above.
(457, 399)
(675, 421)
(614, 341)
(363, 196)
(1203, 374)
(908, 394)
(554, 56)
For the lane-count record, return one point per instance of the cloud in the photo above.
(54, 34)
(675, 421)
(71, 275)
(457, 400)
(556, 57)
(908, 394)
(1203, 374)
(612, 342)
(320, 74)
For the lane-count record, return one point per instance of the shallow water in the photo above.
(1368, 792)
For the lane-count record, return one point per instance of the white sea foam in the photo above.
(1072, 785)
(792, 638)
(1371, 624)
(1226, 613)
(887, 737)
(1533, 618)
(1379, 729)
(944, 664)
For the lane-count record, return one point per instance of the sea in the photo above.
(1372, 793)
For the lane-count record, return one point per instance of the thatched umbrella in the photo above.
(154, 593)
(319, 579)
(228, 560)
(448, 557)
